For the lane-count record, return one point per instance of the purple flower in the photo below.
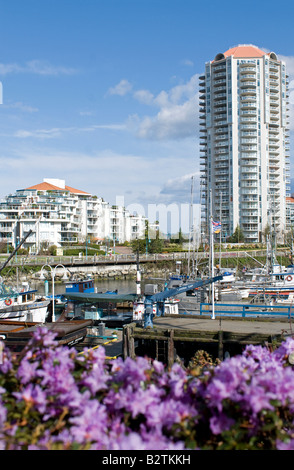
(34, 396)
(287, 445)
(220, 422)
(91, 424)
(27, 370)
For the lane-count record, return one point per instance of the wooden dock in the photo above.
(182, 336)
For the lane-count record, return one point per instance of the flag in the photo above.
(216, 227)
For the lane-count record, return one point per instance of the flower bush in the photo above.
(51, 397)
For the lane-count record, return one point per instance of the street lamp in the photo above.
(53, 274)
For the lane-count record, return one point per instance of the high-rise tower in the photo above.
(245, 142)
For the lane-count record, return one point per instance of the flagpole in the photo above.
(212, 259)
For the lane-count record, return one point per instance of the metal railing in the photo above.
(246, 310)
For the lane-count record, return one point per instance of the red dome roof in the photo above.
(245, 51)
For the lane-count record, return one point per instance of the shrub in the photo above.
(52, 397)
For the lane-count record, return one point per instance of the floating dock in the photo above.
(182, 336)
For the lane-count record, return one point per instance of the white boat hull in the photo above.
(34, 311)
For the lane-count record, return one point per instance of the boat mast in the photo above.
(211, 259)
(190, 225)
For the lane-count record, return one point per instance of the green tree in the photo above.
(237, 236)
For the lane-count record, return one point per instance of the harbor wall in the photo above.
(126, 271)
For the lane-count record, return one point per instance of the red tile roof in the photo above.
(245, 51)
(51, 187)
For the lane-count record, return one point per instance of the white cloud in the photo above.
(38, 67)
(171, 122)
(121, 89)
(144, 96)
(56, 132)
(21, 107)
(177, 115)
(187, 62)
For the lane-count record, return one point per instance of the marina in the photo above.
(169, 319)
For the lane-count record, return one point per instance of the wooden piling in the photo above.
(164, 343)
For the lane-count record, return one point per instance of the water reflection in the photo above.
(123, 286)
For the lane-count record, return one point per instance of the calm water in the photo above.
(123, 286)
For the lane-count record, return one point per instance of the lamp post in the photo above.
(53, 274)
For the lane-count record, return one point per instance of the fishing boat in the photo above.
(278, 285)
(98, 307)
(22, 305)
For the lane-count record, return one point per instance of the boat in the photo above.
(278, 285)
(16, 334)
(98, 307)
(188, 301)
(77, 285)
(171, 307)
(22, 305)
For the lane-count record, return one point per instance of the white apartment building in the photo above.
(244, 138)
(60, 215)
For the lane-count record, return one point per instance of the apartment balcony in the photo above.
(221, 73)
(250, 221)
(274, 105)
(221, 143)
(273, 96)
(247, 76)
(248, 148)
(220, 168)
(219, 81)
(221, 137)
(221, 123)
(274, 118)
(219, 67)
(273, 67)
(248, 112)
(274, 140)
(248, 92)
(220, 117)
(247, 106)
(245, 185)
(220, 89)
(248, 162)
(220, 109)
(221, 96)
(248, 140)
(245, 170)
(219, 152)
(248, 84)
(274, 150)
(247, 120)
(273, 83)
(221, 187)
(274, 158)
(248, 205)
(274, 91)
(249, 197)
(251, 237)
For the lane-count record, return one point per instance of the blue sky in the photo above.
(104, 93)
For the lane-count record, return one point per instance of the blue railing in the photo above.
(243, 310)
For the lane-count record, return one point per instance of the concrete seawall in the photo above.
(125, 271)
